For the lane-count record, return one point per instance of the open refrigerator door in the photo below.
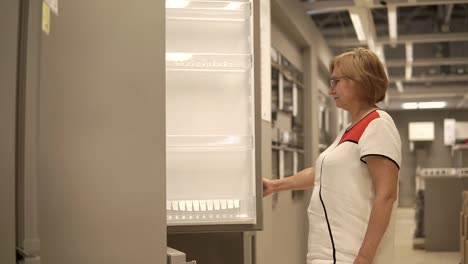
(211, 116)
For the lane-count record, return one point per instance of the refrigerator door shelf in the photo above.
(208, 10)
(208, 62)
(212, 211)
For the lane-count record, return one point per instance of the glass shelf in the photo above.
(208, 62)
(209, 103)
(209, 27)
(207, 10)
(208, 143)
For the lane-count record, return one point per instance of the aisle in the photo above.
(404, 252)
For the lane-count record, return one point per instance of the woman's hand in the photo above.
(299, 181)
(268, 187)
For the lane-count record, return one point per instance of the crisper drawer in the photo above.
(210, 180)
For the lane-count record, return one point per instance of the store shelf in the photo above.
(208, 143)
(208, 10)
(208, 62)
(441, 172)
(286, 148)
(458, 147)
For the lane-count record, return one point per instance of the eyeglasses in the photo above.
(334, 81)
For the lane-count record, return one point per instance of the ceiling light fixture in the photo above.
(392, 22)
(427, 105)
(409, 60)
(409, 52)
(411, 105)
(423, 105)
(399, 86)
(358, 27)
(408, 71)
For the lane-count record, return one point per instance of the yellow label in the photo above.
(45, 18)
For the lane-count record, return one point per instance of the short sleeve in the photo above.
(381, 138)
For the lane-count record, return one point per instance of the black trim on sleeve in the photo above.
(380, 155)
(326, 215)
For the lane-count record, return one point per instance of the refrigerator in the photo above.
(120, 129)
(83, 140)
(212, 117)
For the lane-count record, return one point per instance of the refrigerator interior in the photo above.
(210, 123)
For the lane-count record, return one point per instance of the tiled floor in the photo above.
(404, 252)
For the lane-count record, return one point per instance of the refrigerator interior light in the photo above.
(231, 140)
(177, 3)
(178, 56)
(233, 5)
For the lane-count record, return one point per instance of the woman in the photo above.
(355, 180)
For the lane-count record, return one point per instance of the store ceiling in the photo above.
(424, 43)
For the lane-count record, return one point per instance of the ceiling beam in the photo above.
(406, 96)
(402, 39)
(342, 5)
(431, 78)
(418, 90)
(418, 93)
(328, 6)
(429, 62)
(428, 38)
(377, 4)
(364, 26)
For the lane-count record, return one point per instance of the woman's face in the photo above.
(345, 91)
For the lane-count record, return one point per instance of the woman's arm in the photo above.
(299, 181)
(384, 174)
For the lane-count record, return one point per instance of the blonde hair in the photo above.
(363, 66)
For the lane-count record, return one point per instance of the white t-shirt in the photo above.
(343, 194)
